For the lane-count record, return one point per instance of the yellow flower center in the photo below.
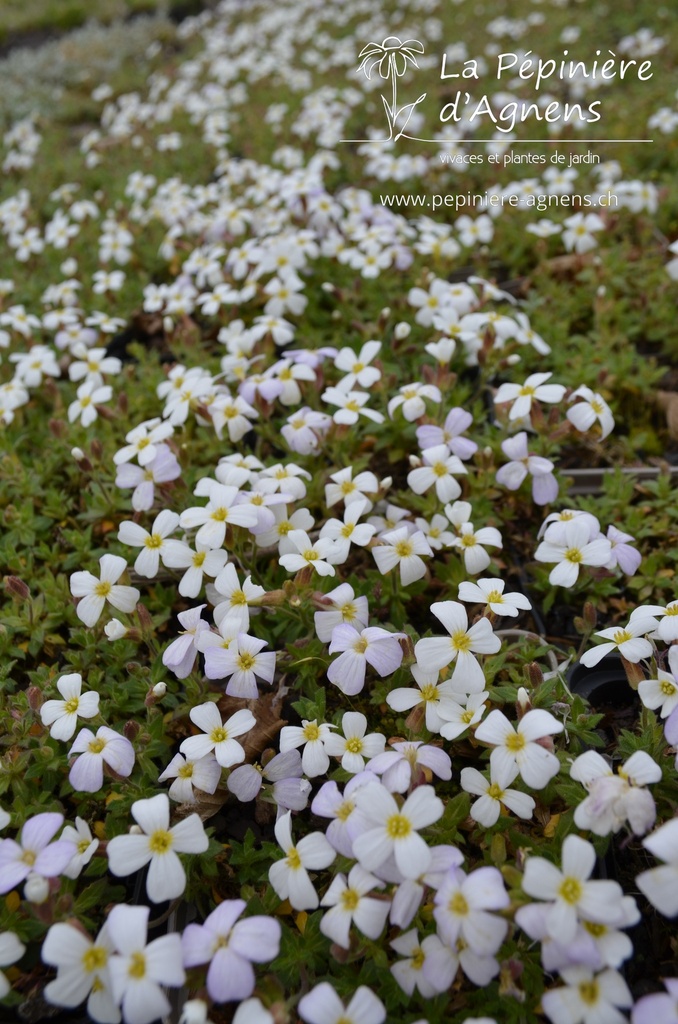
(429, 692)
(186, 771)
(622, 636)
(349, 899)
(284, 528)
(103, 588)
(440, 469)
(352, 406)
(246, 661)
(95, 958)
(672, 609)
(354, 745)
(360, 646)
(526, 390)
(154, 541)
(345, 810)
(29, 858)
(198, 558)
(468, 540)
(71, 706)
(418, 957)
(347, 530)
(311, 732)
(83, 845)
(596, 406)
(143, 443)
(515, 742)
(588, 990)
(458, 905)
(220, 515)
(594, 929)
(570, 890)
(219, 735)
(137, 966)
(494, 597)
(667, 688)
(461, 641)
(347, 487)
(573, 555)
(467, 716)
(293, 859)
(495, 791)
(398, 826)
(310, 555)
(95, 746)
(160, 841)
(404, 549)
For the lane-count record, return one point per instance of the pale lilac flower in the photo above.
(402, 766)
(614, 799)
(660, 1007)
(570, 893)
(289, 877)
(230, 947)
(341, 808)
(511, 475)
(138, 970)
(62, 715)
(161, 470)
(522, 395)
(180, 655)
(157, 846)
(217, 735)
(242, 664)
(623, 555)
(520, 747)
(35, 852)
(289, 789)
(350, 904)
(588, 998)
(107, 747)
(82, 971)
(322, 1005)
(305, 429)
(94, 593)
(456, 423)
(462, 905)
(372, 646)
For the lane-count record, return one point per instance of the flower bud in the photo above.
(513, 359)
(194, 1012)
(160, 689)
(523, 702)
(131, 730)
(534, 675)
(57, 427)
(115, 630)
(36, 889)
(17, 588)
(401, 331)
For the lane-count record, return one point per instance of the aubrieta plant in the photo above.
(301, 581)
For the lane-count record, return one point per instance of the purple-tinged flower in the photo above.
(623, 555)
(403, 765)
(35, 853)
(230, 947)
(138, 970)
(180, 656)
(522, 464)
(456, 423)
(322, 1005)
(161, 470)
(107, 747)
(371, 646)
(329, 802)
(658, 1008)
(289, 790)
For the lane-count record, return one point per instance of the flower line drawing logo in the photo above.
(391, 58)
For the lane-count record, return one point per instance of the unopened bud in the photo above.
(131, 730)
(634, 673)
(523, 702)
(17, 588)
(386, 483)
(160, 689)
(57, 427)
(167, 324)
(34, 697)
(328, 287)
(97, 448)
(135, 830)
(36, 889)
(534, 675)
(401, 331)
(512, 360)
(590, 614)
(145, 618)
(123, 404)
(194, 1012)
(407, 647)
(115, 630)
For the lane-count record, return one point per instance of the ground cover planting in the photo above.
(338, 405)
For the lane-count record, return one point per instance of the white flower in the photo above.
(158, 846)
(461, 910)
(493, 793)
(403, 549)
(521, 746)
(430, 693)
(308, 553)
(411, 398)
(96, 592)
(437, 652)
(11, 950)
(614, 798)
(660, 884)
(390, 829)
(438, 469)
(372, 646)
(490, 591)
(578, 236)
(322, 1005)
(588, 998)
(354, 746)
(628, 640)
(351, 905)
(154, 545)
(522, 395)
(89, 395)
(289, 877)
(356, 367)
(107, 747)
(139, 970)
(62, 715)
(217, 735)
(82, 971)
(574, 549)
(203, 774)
(85, 844)
(222, 510)
(233, 599)
(351, 405)
(429, 966)
(348, 532)
(662, 692)
(584, 414)
(571, 894)
(315, 760)
(349, 488)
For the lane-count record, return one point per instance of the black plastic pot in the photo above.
(603, 684)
